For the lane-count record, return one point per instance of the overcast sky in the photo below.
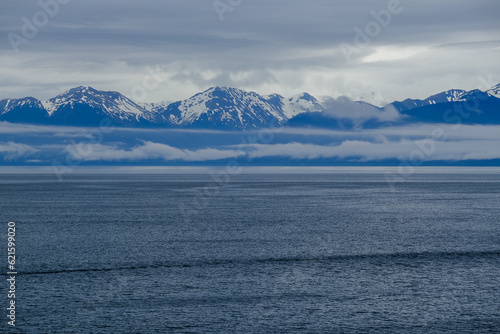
(282, 46)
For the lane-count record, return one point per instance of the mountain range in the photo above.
(226, 108)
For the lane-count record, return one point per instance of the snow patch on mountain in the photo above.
(113, 104)
(451, 95)
(301, 103)
(26, 102)
(494, 91)
(155, 106)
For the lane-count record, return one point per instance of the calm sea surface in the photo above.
(263, 253)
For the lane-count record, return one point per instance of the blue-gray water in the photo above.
(283, 253)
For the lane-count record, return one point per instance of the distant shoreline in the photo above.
(250, 169)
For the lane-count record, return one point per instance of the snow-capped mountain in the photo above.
(9, 105)
(231, 108)
(468, 107)
(82, 105)
(494, 91)
(223, 107)
(25, 110)
(227, 108)
(473, 94)
(301, 103)
(443, 97)
(217, 107)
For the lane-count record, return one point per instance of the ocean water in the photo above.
(258, 253)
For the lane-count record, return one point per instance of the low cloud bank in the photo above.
(40, 146)
(352, 150)
(146, 151)
(345, 108)
(10, 151)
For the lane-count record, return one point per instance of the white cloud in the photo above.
(147, 151)
(294, 48)
(364, 151)
(343, 107)
(391, 53)
(466, 142)
(12, 151)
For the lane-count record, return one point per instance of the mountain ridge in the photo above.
(224, 108)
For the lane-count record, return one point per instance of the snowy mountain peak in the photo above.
(301, 103)
(451, 95)
(83, 89)
(26, 102)
(306, 96)
(221, 89)
(111, 103)
(224, 107)
(494, 91)
(85, 95)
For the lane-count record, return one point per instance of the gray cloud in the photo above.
(48, 143)
(146, 151)
(283, 46)
(10, 150)
(426, 149)
(365, 151)
(344, 107)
